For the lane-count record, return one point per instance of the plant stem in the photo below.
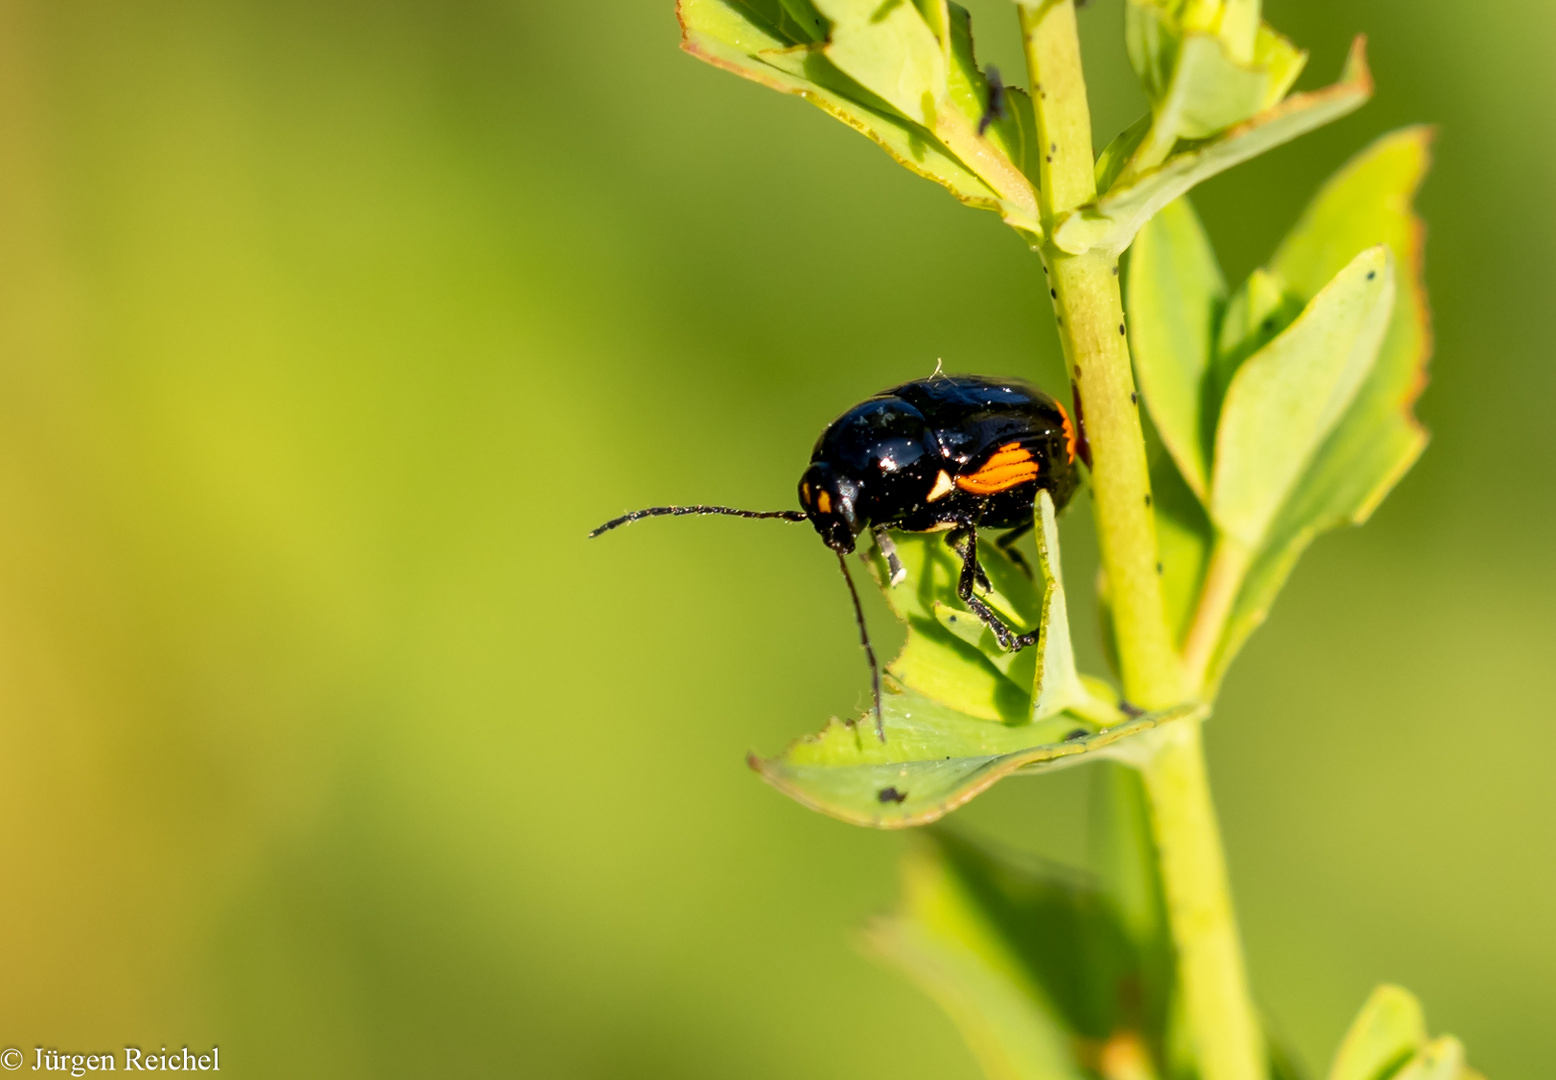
(1090, 318)
(1229, 562)
(1228, 1044)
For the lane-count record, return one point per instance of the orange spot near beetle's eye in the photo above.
(805, 493)
(824, 503)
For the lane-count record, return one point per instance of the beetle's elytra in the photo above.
(950, 452)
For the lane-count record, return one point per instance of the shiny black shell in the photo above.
(941, 452)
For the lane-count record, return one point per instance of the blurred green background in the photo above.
(327, 329)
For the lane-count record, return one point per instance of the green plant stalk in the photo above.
(1224, 1027)
(1089, 312)
(1090, 317)
(1229, 562)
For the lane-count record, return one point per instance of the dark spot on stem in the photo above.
(1148, 498)
(1134, 397)
(1120, 328)
(1078, 733)
(891, 795)
(1054, 293)
(1130, 710)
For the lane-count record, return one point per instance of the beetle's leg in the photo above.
(1007, 544)
(883, 543)
(1008, 639)
(957, 541)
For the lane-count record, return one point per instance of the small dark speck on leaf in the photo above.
(1148, 498)
(1268, 325)
(891, 795)
(1048, 157)
(1130, 710)
(1078, 733)
(1158, 568)
(1120, 328)
(1115, 269)
(1054, 293)
(1053, 148)
(1134, 397)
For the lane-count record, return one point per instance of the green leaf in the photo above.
(1115, 156)
(1015, 134)
(1441, 1059)
(881, 69)
(1175, 292)
(1057, 685)
(1123, 852)
(1196, 86)
(890, 50)
(949, 654)
(1184, 538)
(1388, 1041)
(1255, 315)
(1386, 1033)
(1287, 397)
(948, 942)
(957, 710)
(1367, 202)
(934, 758)
(1110, 224)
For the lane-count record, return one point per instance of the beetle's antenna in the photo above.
(677, 511)
(864, 639)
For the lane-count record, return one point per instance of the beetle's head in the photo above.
(831, 503)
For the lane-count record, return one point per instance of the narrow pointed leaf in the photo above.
(1441, 1059)
(1057, 684)
(1111, 223)
(935, 759)
(1288, 397)
(1367, 202)
(1115, 156)
(1175, 293)
(1386, 1033)
(946, 942)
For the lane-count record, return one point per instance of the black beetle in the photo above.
(950, 452)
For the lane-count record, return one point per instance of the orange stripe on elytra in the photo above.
(986, 482)
(1010, 465)
(1069, 433)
